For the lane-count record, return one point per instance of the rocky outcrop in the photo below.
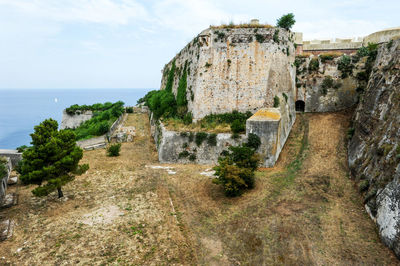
(75, 120)
(374, 149)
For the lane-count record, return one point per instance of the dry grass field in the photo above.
(124, 211)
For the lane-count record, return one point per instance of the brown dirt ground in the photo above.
(304, 211)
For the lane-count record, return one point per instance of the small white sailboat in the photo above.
(55, 100)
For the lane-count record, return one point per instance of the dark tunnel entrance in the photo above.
(300, 106)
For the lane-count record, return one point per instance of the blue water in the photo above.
(22, 109)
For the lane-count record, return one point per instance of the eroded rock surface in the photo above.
(374, 150)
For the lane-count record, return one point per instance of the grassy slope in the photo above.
(303, 211)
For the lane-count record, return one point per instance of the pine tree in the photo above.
(52, 160)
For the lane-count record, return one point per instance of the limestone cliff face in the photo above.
(374, 150)
(322, 88)
(74, 121)
(235, 69)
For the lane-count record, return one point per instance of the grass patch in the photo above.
(286, 178)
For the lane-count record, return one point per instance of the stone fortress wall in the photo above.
(236, 68)
(346, 46)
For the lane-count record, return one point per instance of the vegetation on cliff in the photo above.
(286, 21)
(53, 159)
(78, 109)
(101, 121)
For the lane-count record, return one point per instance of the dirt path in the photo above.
(126, 211)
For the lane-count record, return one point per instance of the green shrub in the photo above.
(235, 136)
(181, 98)
(237, 126)
(327, 82)
(163, 104)
(114, 149)
(362, 76)
(275, 37)
(102, 128)
(297, 61)
(188, 118)
(212, 139)
(235, 170)
(81, 169)
(325, 58)
(253, 141)
(276, 102)
(170, 80)
(363, 51)
(285, 96)
(191, 137)
(200, 137)
(313, 65)
(183, 154)
(129, 110)
(227, 118)
(3, 167)
(77, 109)
(345, 66)
(350, 132)
(192, 157)
(363, 186)
(286, 21)
(260, 38)
(389, 44)
(22, 148)
(101, 121)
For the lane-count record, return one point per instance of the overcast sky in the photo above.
(125, 43)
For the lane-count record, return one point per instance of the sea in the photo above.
(22, 109)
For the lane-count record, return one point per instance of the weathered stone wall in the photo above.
(74, 121)
(374, 150)
(382, 36)
(344, 45)
(4, 179)
(170, 144)
(343, 94)
(273, 126)
(13, 155)
(235, 69)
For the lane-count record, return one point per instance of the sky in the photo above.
(126, 43)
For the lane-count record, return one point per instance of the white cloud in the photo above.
(335, 28)
(192, 16)
(96, 11)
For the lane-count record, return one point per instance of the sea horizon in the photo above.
(21, 109)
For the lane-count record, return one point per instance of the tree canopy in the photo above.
(286, 21)
(52, 160)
